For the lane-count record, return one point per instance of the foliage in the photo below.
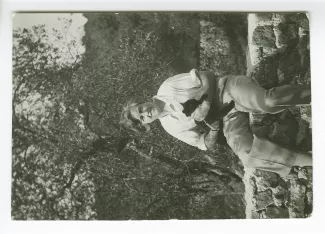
(49, 142)
(223, 42)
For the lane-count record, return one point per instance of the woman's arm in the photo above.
(208, 81)
(197, 138)
(211, 139)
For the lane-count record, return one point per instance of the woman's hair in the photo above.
(129, 122)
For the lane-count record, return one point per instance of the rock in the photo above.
(261, 131)
(280, 75)
(276, 212)
(303, 131)
(264, 36)
(309, 170)
(309, 203)
(279, 201)
(279, 17)
(279, 38)
(310, 181)
(279, 195)
(204, 23)
(280, 51)
(285, 17)
(303, 21)
(296, 205)
(303, 51)
(286, 34)
(263, 199)
(302, 174)
(290, 65)
(266, 17)
(302, 32)
(291, 176)
(287, 114)
(305, 177)
(284, 133)
(305, 114)
(255, 215)
(265, 180)
(262, 214)
(306, 78)
(283, 182)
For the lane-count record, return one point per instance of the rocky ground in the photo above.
(279, 54)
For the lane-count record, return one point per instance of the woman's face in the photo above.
(145, 112)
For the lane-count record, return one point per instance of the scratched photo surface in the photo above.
(73, 73)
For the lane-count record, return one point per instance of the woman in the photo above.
(168, 106)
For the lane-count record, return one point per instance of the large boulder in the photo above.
(263, 199)
(276, 212)
(286, 34)
(264, 36)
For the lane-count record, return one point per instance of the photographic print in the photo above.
(161, 115)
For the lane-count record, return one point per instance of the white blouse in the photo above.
(175, 90)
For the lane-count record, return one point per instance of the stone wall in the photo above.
(275, 32)
(280, 51)
(272, 196)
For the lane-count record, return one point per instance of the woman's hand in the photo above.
(214, 120)
(201, 111)
(214, 126)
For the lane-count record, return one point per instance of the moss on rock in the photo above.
(264, 36)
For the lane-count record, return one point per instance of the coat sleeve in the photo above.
(191, 136)
(185, 81)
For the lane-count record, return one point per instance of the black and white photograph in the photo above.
(157, 115)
